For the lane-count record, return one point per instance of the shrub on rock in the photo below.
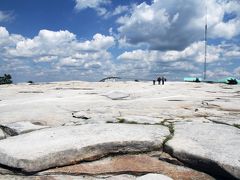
(6, 79)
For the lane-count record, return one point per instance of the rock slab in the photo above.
(154, 176)
(52, 147)
(2, 135)
(133, 164)
(116, 95)
(140, 119)
(22, 127)
(84, 177)
(209, 146)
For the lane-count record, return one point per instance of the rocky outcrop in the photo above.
(2, 135)
(132, 164)
(154, 176)
(210, 147)
(66, 145)
(206, 147)
(116, 95)
(84, 177)
(81, 115)
(20, 127)
(139, 119)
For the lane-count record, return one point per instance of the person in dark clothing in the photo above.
(163, 80)
(159, 80)
(154, 81)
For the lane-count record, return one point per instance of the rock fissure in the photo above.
(4, 169)
(200, 152)
(202, 165)
(8, 131)
(223, 123)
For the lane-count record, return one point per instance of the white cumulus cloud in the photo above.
(55, 52)
(174, 24)
(5, 16)
(97, 5)
(51, 44)
(117, 11)
(192, 53)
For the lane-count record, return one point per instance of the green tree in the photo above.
(6, 79)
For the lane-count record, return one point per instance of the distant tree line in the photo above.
(6, 79)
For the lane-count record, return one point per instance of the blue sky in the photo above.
(54, 40)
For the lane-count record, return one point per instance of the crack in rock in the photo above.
(8, 131)
(117, 95)
(21, 127)
(206, 150)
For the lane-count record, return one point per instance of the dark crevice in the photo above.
(8, 131)
(199, 164)
(84, 89)
(171, 161)
(171, 131)
(15, 171)
(223, 123)
(204, 165)
(79, 117)
(124, 121)
(133, 173)
(30, 92)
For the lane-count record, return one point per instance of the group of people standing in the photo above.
(160, 80)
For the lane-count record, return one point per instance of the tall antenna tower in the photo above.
(205, 40)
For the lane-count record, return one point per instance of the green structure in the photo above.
(229, 80)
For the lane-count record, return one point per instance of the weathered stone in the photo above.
(30, 91)
(64, 177)
(2, 135)
(4, 171)
(166, 157)
(139, 119)
(208, 146)
(116, 95)
(72, 123)
(22, 127)
(66, 145)
(83, 177)
(175, 101)
(56, 106)
(133, 164)
(226, 119)
(154, 176)
(81, 115)
(60, 177)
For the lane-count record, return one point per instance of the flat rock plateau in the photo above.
(119, 131)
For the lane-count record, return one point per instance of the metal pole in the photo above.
(205, 39)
